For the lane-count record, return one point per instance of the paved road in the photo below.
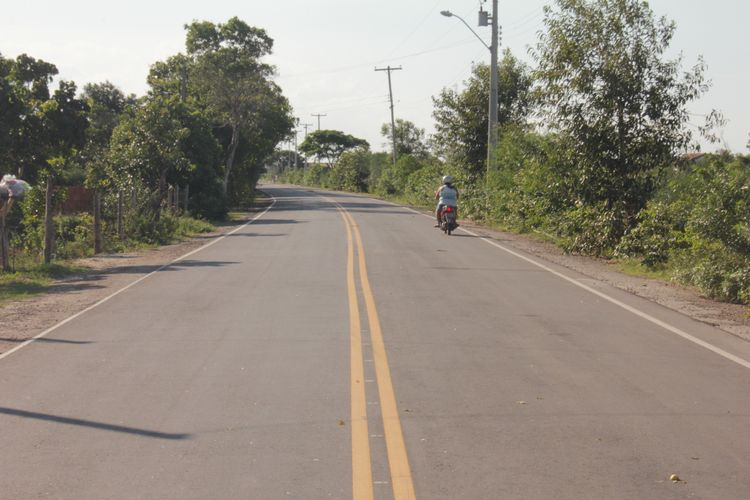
(340, 347)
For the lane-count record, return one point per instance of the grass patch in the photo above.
(237, 216)
(34, 280)
(187, 227)
(634, 267)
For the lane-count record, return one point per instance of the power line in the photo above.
(341, 69)
(419, 25)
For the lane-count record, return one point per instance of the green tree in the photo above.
(410, 139)
(351, 172)
(331, 144)
(233, 84)
(106, 104)
(62, 133)
(605, 85)
(461, 117)
(25, 89)
(149, 144)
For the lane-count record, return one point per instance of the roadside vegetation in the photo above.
(595, 151)
(111, 172)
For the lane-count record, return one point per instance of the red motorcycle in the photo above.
(448, 219)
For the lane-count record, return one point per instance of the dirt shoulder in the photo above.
(22, 320)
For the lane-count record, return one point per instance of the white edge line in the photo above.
(637, 312)
(118, 292)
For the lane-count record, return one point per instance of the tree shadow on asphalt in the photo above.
(93, 424)
(47, 340)
(255, 235)
(363, 207)
(175, 266)
(268, 222)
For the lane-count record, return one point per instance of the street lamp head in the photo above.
(446, 13)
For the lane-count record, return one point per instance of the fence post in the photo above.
(4, 247)
(98, 243)
(120, 229)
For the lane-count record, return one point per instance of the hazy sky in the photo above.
(326, 50)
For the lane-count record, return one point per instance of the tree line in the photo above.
(196, 142)
(593, 151)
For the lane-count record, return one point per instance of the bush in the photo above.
(207, 199)
(659, 232)
(421, 185)
(74, 236)
(591, 230)
(717, 271)
(350, 173)
(394, 177)
(146, 227)
(315, 175)
(698, 225)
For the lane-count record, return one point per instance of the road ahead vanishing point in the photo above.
(341, 347)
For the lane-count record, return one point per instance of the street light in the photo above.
(448, 13)
(492, 119)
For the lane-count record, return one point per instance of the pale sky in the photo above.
(326, 50)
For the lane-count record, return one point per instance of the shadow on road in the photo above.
(268, 222)
(51, 341)
(255, 235)
(92, 424)
(170, 267)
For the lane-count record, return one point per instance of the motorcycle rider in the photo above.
(447, 196)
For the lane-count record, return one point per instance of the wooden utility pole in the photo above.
(318, 115)
(5, 207)
(393, 120)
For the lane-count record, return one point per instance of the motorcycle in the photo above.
(448, 219)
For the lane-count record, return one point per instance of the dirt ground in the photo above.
(24, 319)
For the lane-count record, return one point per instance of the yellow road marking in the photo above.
(398, 461)
(362, 485)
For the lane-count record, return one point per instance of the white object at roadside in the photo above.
(10, 187)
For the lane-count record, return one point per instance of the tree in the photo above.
(25, 89)
(410, 140)
(461, 117)
(106, 104)
(63, 127)
(235, 86)
(351, 172)
(330, 144)
(605, 85)
(150, 143)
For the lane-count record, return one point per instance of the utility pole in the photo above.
(306, 126)
(493, 91)
(492, 118)
(393, 121)
(296, 154)
(313, 114)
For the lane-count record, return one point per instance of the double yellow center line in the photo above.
(398, 462)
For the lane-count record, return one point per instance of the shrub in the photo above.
(350, 173)
(659, 232)
(591, 230)
(74, 236)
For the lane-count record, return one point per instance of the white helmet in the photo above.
(447, 179)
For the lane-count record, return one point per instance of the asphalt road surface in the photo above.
(341, 347)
